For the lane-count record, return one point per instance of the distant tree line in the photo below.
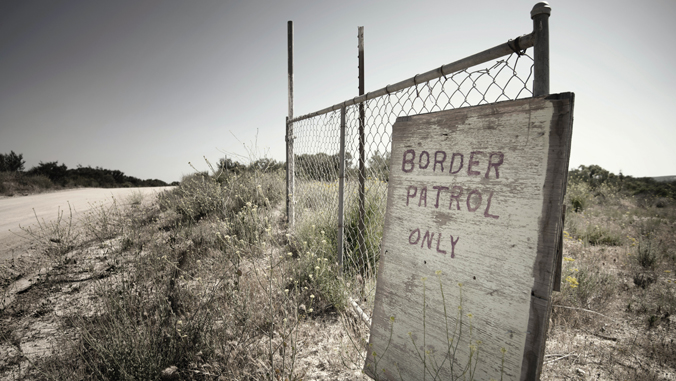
(61, 175)
(324, 167)
(595, 176)
(226, 166)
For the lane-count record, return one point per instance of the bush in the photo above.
(578, 196)
(196, 197)
(11, 162)
(140, 335)
(317, 274)
(18, 182)
(585, 286)
(598, 235)
(364, 261)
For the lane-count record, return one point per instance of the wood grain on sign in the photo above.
(469, 246)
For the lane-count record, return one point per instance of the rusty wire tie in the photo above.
(415, 83)
(441, 71)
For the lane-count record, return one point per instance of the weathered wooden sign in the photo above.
(469, 246)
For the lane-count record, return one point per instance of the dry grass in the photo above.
(207, 282)
(16, 183)
(613, 319)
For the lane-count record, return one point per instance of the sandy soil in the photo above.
(18, 211)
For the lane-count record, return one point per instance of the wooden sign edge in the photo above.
(550, 222)
(550, 231)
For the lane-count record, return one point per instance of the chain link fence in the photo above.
(354, 228)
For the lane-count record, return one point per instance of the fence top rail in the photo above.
(512, 46)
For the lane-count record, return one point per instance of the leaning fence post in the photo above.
(341, 189)
(540, 15)
(362, 153)
(290, 198)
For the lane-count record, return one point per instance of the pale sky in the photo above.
(148, 86)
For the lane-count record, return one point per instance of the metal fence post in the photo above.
(540, 15)
(290, 198)
(362, 153)
(341, 190)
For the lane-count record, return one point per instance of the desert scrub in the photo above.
(646, 248)
(196, 197)
(607, 195)
(602, 235)
(198, 283)
(583, 286)
(318, 207)
(12, 183)
(593, 229)
(197, 295)
(646, 252)
(247, 225)
(57, 237)
(578, 196)
(364, 260)
(316, 211)
(103, 221)
(255, 187)
(141, 334)
(315, 273)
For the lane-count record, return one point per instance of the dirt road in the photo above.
(15, 211)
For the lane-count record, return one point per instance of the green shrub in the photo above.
(40, 182)
(364, 260)
(647, 252)
(578, 195)
(316, 275)
(196, 197)
(255, 187)
(139, 336)
(586, 286)
(11, 162)
(599, 235)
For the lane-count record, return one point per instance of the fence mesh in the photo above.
(317, 158)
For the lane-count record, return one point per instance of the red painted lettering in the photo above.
(488, 207)
(408, 161)
(429, 238)
(423, 197)
(500, 159)
(417, 238)
(439, 189)
(456, 192)
(438, 243)
(453, 246)
(420, 159)
(469, 196)
(472, 162)
(441, 162)
(408, 193)
(462, 158)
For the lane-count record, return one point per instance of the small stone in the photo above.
(169, 374)
(21, 285)
(580, 372)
